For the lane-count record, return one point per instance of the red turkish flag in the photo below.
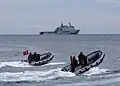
(25, 52)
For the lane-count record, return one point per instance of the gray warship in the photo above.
(62, 29)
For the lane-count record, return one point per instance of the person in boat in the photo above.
(82, 59)
(30, 57)
(73, 63)
(34, 54)
(36, 57)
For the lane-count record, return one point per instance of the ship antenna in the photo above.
(61, 24)
(69, 24)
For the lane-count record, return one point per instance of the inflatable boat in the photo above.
(44, 59)
(93, 59)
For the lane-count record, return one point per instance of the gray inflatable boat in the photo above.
(93, 59)
(44, 59)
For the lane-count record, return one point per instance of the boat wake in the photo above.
(97, 76)
(94, 75)
(55, 63)
(14, 64)
(95, 70)
(34, 76)
(23, 64)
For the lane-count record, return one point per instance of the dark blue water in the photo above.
(15, 73)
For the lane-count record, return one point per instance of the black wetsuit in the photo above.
(36, 57)
(30, 58)
(75, 62)
(74, 65)
(82, 59)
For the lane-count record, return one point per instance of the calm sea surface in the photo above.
(15, 73)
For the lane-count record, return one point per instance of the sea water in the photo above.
(13, 72)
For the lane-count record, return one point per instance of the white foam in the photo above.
(95, 70)
(101, 80)
(57, 63)
(2, 65)
(24, 64)
(34, 75)
(14, 64)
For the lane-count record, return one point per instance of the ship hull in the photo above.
(60, 33)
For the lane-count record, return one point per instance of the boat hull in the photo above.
(60, 33)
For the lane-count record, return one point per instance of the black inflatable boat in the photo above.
(93, 59)
(44, 59)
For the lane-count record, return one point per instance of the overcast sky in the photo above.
(33, 16)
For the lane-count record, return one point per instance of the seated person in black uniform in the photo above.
(82, 59)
